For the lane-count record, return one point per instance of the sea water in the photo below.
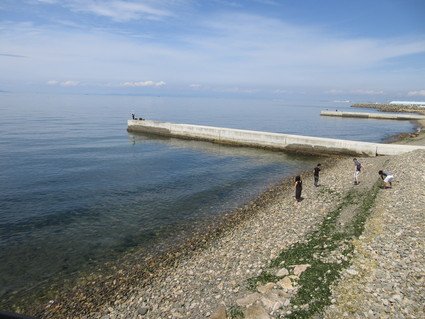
(77, 190)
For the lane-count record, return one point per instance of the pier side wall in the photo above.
(297, 143)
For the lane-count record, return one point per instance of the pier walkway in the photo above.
(374, 115)
(277, 141)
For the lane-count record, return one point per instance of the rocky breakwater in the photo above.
(386, 107)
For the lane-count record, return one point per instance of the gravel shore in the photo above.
(387, 272)
(344, 251)
(382, 276)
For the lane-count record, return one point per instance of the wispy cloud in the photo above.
(46, 1)
(70, 83)
(112, 41)
(417, 93)
(121, 11)
(275, 42)
(12, 55)
(366, 92)
(355, 92)
(143, 83)
(64, 83)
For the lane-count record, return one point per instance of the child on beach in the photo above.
(357, 170)
(298, 188)
(387, 177)
(316, 174)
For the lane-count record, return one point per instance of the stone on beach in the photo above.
(299, 269)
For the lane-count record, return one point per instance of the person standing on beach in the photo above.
(316, 175)
(387, 177)
(298, 188)
(357, 170)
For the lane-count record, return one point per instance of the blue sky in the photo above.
(371, 50)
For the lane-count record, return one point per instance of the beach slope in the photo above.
(344, 250)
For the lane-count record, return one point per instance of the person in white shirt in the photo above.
(387, 177)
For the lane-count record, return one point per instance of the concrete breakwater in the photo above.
(287, 142)
(373, 115)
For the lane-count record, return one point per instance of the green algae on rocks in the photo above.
(327, 251)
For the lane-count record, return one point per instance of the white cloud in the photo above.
(366, 92)
(144, 83)
(70, 83)
(283, 91)
(64, 83)
(120, 11)
(414, 93)
(278, 44)
(47, 1)
(334, 91)
(357, 92)
(195, 85)
(237, 50)
(235, 90)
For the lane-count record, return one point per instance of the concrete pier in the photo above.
(277, 141)
(373, 115)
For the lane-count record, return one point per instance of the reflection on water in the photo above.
(155, 189)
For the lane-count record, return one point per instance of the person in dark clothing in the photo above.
(316, 175)
(298, 188)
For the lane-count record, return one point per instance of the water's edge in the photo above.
(100, 284)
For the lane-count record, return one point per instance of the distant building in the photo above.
(408, 103)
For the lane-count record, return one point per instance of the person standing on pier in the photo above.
(298, 188)
(316, 175)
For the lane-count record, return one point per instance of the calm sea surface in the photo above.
(76, 189)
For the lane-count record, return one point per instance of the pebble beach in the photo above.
(344, 251)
